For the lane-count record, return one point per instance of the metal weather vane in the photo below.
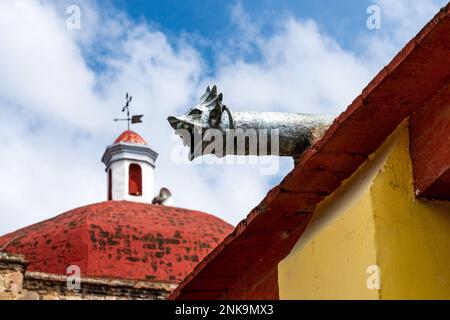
(134, 118)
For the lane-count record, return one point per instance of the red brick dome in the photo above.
(130, 137)
(120, 239)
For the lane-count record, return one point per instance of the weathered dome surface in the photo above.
(130, 137)
(120, 239)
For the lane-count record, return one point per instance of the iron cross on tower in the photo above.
(133, 119)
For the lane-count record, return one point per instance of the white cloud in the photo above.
(59, 90)
(302, 70)
(42, 69)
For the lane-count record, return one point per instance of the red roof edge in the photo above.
(393, 95)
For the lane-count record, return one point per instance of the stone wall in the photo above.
(12, 269)
(54, 287)
(18, 284)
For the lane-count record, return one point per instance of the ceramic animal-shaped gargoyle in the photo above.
(211, 128)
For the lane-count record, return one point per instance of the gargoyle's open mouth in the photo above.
(191, 136)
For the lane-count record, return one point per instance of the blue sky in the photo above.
(210, 20)
(60, 88)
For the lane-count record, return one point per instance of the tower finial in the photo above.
(134, 119)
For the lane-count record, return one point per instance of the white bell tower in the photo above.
(130, 165)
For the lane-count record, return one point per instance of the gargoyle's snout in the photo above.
(186, 133)
(173, 122)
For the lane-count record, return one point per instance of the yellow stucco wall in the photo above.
(412, 235)
(373, 221)
(333, 265)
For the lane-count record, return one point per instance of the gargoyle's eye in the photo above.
(195, 112)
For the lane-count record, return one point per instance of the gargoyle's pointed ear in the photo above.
(215, 114)
(214, 91)
(206, 95)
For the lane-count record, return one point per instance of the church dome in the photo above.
(121, 240)
(129, 136)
